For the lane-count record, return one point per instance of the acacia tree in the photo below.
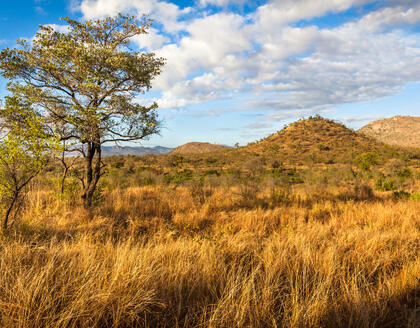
(86, 80)
(25, 148)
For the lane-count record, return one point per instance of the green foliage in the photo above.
(405, 173)
(293, 176)
(182, 176)
(385, 184)
(175, 160)
(401, 194)
(117, 164)
(86, 81)
(366, 160)
(25, 148)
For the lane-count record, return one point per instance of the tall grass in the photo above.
(156, 257)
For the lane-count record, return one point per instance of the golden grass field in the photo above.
(315, 226)
(157, 256)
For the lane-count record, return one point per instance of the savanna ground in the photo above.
(204, 241)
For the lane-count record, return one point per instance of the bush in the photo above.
(323, 147)
(385, 184)
(118, 164)
(405, 173)
(415, 196)
(182, 176)
(366, 160)
(401, 194)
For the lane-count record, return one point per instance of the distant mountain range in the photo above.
(139, 151)
(397, 130)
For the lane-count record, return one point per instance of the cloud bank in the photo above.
(281, 56)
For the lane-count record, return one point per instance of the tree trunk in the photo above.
(63, 180)
(65, 169)
(9, 210)
(93, 173)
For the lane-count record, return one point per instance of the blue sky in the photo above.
(239, 70)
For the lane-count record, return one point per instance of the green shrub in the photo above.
(401, 194)
(118, 164)
(366, 160)
(405, 173)
(415, 196)
(385, 184)
(182, 176)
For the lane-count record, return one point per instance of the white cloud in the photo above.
(277, 13)
(281, 67)
(164, 12)
(390, 16)
(221, 3)
(151, 41)
(210, 45)
(59, 28)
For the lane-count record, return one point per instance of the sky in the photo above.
(238, 70)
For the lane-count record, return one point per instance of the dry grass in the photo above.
(165, 257)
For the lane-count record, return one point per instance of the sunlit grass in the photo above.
(160, 257)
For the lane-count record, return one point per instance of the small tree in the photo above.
(25, 147)
(87, 80)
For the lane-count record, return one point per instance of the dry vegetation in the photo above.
(198, 148)
(200, 242)
(398, 130)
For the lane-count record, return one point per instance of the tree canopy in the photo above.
(25, 148)
(85, 83)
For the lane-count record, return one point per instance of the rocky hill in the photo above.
(397, 130)
(198, 148)
(139, 151)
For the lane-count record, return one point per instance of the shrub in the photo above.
(118, 164)
(405, 173)
(182, 176)
(415, 196)
(366, 160)
(401, 194)
(323, 147)
(385, 184)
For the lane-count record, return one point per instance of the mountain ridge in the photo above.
(131, 150)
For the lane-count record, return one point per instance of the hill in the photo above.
(397, 130)
(198, 148)
(139, 151)
(318, 140)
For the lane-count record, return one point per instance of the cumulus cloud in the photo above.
(151, 41)
(284, 68)
(221, 3)
(164, 12)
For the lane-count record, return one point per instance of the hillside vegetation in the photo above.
(198, 148)
(248, 237)
(398, 130)
(319, 140)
